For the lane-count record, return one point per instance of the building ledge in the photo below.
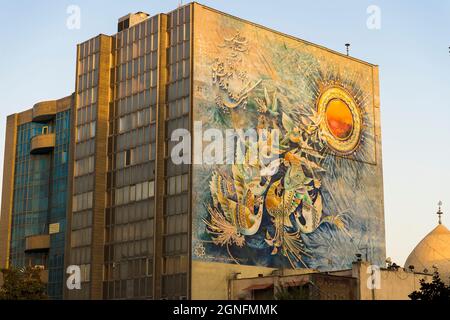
(37, 243)
(44, 111)
(42, 143)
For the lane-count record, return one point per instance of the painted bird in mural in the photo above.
(280, 203)
(240, 206)
(309, 217)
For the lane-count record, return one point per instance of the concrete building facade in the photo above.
(361, 282)
(35, 190)
(141, 226)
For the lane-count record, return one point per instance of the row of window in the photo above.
(135, 174)
(86, 114)
(175, 244)
(136, 84)
(138, 48)
(85, 272)
(138, 101)
(130, 232)
(136, 192)
(131, 157)
(130, 249)
(82, 237)
(132, 212)
(176, 19)
(137, 119)
(179, 62)
(179, 89)
(129, 269)
(177, 204)
(84, 166)
(81, 219)
(178, 108)
(27, 220)
(85, 149)
(33, 189)
(180, 34)
(177, 123)
(79, 256)
(174, 286)
(85, 131)
(89, 47)
(176, 224)
(88, 63)
(177, 169)
(136, 137)
(139, 31)
(82, 201)
(83, 183)
(87, 96)
(127, 289)
(137, 66)
(177, 184)
(175, 264)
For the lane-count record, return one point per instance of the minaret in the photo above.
(440, 213)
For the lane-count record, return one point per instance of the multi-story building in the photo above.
(35, 185)
(142, 225)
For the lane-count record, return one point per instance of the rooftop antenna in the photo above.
(347, 45)
(440, 213)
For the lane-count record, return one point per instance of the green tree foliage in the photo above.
(22, 284)
(435, 290)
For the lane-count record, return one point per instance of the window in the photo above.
(127, 158)
(140, 191)
(177, 184)
(84, 166)
(64, 157)
(82, 201)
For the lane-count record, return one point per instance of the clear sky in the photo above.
(37, 62)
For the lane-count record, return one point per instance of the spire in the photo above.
(440, 213)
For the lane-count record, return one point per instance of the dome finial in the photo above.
(440, 213)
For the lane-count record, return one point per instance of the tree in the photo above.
(435, 290)
(22, 284)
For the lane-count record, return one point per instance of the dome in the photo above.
(433, 250)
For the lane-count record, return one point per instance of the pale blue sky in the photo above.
(37, 62)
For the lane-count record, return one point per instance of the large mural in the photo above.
(317, 200)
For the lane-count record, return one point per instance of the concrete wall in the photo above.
(211, 280)
(392, 285)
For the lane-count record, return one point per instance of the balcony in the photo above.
(37, 243)
(44, 111)
(42, 143)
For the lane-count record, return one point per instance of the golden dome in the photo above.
(433, 250)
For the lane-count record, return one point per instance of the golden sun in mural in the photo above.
(341, 120)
